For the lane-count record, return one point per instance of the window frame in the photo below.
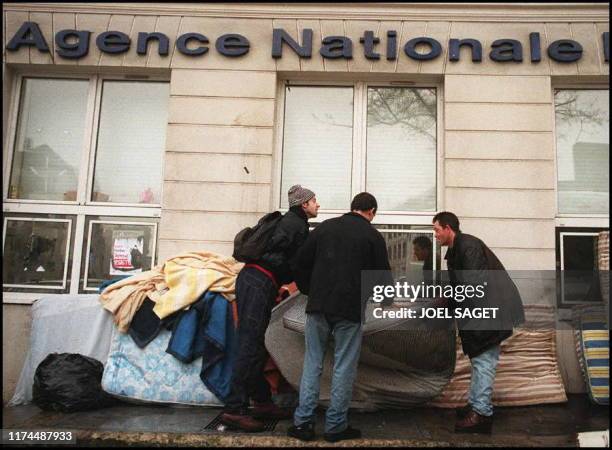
(83, 206)
(359, 169)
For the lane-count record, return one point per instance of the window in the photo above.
(401, 146)
(116, 247)
(410, 248)
(49, 142)
(133, 120)
(83, 189)
(577, 266)
(36, 252)
(318, 143)
(339, 140)
(582, 121)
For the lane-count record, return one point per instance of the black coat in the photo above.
(289, 235)
(470, 261)
(331, 262)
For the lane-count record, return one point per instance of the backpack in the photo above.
(251, 242)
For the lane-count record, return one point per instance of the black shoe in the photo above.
(349, 433)
(304, 432)
(463, 411)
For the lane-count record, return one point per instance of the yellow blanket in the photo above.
(189, 275)
(124, 297)
(173, 286)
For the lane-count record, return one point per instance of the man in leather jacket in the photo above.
(256, 289)
(471, 262)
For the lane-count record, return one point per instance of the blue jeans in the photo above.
(255, 294)
(484, 367)
(347, 346)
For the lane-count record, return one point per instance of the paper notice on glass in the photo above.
(127, 253)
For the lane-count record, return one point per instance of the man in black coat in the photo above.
(256, 289)
(471, 263)
(330, 266)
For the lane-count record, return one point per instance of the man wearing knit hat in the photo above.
(256, 289)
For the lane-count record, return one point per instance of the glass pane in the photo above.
(34, 253)
(401, 148)
(131, 141)
(49, 139)
(580, 274)
(318, 143)
(583, 146)
(118, 249)
(411, 251)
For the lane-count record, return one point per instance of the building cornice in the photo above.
(456, 12)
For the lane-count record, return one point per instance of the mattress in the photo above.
(400, 365)
(528, 370)
(593, 348)
(151, 375)
(57, 327)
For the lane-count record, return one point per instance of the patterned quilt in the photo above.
(151, 375)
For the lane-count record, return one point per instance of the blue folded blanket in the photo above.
(207, 330)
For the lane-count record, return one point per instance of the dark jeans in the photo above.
(255, 294)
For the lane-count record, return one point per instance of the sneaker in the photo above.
(243, 422)
(474, 423)
(349, 433)
(270, 411)
(304, 432)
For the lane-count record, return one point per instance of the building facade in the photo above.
(134, 132)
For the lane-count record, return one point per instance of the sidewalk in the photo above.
(130, 425)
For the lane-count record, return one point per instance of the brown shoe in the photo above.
(474, 423)
(270, 411)
(243, 422)
(463, 411)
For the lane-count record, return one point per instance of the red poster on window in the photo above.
(128, 247)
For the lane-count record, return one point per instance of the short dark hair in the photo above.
(364, 202)
(445, 218)
(423, 242)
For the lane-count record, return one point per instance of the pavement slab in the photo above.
(160, 426)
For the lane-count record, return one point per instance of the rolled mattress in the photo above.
(402, 364)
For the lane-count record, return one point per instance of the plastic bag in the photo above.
(70, 382)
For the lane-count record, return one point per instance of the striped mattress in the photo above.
(593, 347)
(528, 371)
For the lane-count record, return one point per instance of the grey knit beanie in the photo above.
(299, 195)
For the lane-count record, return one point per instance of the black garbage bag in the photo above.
(70, 382)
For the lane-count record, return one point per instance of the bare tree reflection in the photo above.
(413, 108)
(569, 111)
